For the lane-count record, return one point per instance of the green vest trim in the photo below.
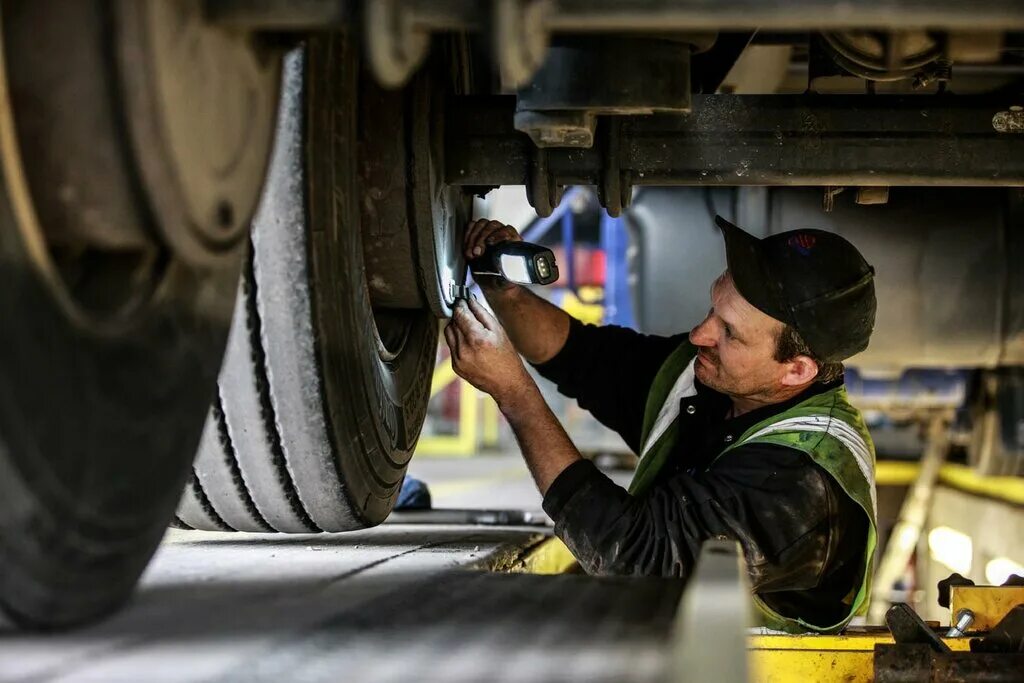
(826, 427)
(674, 382)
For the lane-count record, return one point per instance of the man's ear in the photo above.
(799, 370)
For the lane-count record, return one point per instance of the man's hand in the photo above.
(481, 234)
(482, 353)
(483, 356)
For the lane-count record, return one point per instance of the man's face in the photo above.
(737, 345)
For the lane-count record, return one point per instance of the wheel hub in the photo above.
(201, 104)
(107, 211)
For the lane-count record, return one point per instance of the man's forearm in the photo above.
(546, 447)
(538, 329)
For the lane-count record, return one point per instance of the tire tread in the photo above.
(230, 461)
(267, 412)
(195, 508)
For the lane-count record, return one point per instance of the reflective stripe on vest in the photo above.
(683, 388)
(836, 428)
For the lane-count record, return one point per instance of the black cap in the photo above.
(813, 280)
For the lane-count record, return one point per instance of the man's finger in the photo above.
(492, 233)
(479, 242)
(464, 320)
(462, 338)
(505, 233)
(452, 339)
(484, 316)
(472, 234)
(475, 240)
(468, 240)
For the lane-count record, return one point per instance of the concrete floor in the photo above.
(484, 481)
(489, 480)
(391, 603)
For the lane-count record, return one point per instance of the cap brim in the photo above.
(749, 270)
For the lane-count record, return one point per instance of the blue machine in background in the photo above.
(618, 305)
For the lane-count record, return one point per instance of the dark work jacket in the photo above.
(806, 535)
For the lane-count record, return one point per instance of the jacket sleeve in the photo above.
(747, 496)
(609, 370)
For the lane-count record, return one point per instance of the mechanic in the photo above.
(743, 426)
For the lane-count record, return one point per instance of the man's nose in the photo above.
(703, 334)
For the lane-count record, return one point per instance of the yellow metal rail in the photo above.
(549, 557)
(960, 477)
(465, 442)
(478, 419)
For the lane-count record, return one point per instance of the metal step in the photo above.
(480, 626)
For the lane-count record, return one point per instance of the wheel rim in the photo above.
(439, 211)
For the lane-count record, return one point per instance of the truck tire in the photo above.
(112, 333)
(323, 390)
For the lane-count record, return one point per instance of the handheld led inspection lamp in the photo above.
(524, 263)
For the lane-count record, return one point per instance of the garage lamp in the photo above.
(999, 570)
(951, 548)
(524, 263)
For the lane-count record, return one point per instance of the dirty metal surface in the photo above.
(392, 603)
(760, 140)
(636, 15)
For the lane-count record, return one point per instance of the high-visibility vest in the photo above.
(825, 427)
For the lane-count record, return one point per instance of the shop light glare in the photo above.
(997, 571)
(951, 548)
